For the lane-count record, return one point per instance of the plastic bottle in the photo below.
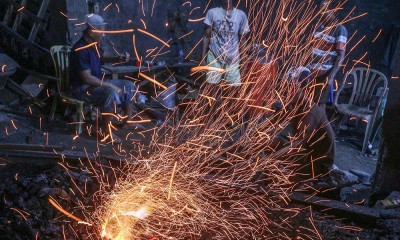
(180, 56)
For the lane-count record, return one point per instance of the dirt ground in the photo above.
(348, 155)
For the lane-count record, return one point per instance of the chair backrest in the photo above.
(367, 84)
(60, 55)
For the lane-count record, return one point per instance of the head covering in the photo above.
(94, 20)
(300, 75)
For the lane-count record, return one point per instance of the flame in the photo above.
(116, 227)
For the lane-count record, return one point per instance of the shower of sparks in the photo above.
(216, 172)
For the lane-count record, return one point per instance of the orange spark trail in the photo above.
(204, 68)
(87, 46)
(197, 20)
(70, 215)
(377, 35)
(152, 80)
(106, 7)
(114, 31)
(151, 35)
(20, 213)
(171, 181)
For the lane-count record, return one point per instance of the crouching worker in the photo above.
(87, 82)
(314, 135)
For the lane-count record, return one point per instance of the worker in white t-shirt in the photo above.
(224, 27)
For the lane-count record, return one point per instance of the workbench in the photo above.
(117, 70)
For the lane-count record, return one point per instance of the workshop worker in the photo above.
(87, 81)
(329, 47)
(314, 134)
(224, 28)
(317, 137)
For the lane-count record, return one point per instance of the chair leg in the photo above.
(67, 111)
(367, 135)
(79, 110)
(342, 118)
(53, 108)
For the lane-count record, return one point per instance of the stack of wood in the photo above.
(23, 24)
(28, 28)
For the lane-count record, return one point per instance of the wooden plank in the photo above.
(116, 69)
(365, 212)
(16, 146)
(32, 154)
(8, 14)
(18, 18)
(184, 79)
(39, 75)
(37, 25)
(24, 41)
(16, 88)
(34, 85)
(26, 12)
(356, 212)
(43, 157)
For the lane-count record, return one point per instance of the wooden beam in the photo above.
(16, 146)
(184, 79)
(36, 156)
(20, 38)
(18, 18)
(388, 165)
(27, 12)
(38, 24)
(356, 212)
(22, 92)
(361, 211)
(8, 14)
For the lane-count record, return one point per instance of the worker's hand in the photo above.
(125, 56)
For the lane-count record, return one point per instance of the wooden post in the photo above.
(387, 173)
(38, 24)
(18, 18)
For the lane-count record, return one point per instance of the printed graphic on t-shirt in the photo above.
(225, 28)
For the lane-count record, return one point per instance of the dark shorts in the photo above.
(105, 97)
(322, 91)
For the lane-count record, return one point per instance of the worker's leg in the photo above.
(213, 77)
(211, 89)
(232, 92)
(322, 91)
(232, 74)
(103, 97)
(128, 98)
